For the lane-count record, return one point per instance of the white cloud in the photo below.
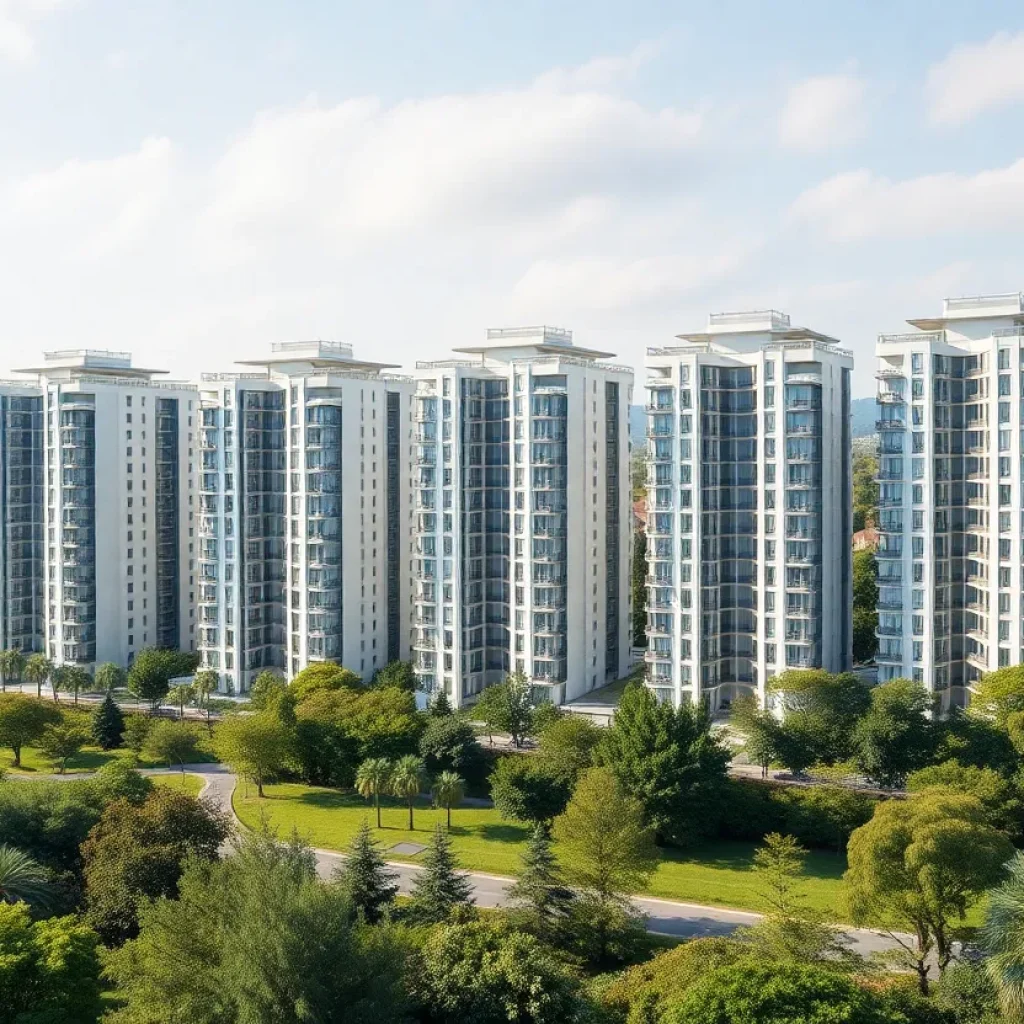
(17, 44)
(861, 204)
(602, 72)
(976, 77)
(824, 111)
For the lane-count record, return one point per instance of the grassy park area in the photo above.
(191, 784)
(88, 759)
(716, 873)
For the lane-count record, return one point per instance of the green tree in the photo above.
(12, 664)
(181, 694)
(322, 675)
(50, 969)
(204, 686)
(365, 878)
(998, 694)
(255, 746)
(449, 744)
(448, 791)
(607, 848)
(255, 937)
(61, 742)
(638, 584)
(507, 707)
(174, 743)
(778, 993)
(373, 778)
(38, 669)
(107, 724)
(136, 853)
(22, 879)
(150, 675)
(918, 865)
(57, 676)
(543, 717)
(266, 690)
(895, 736)
(23, 720)
(566, 747)
(136, 731)
(1003, 938)
(865, 491)
(669, 759)
(975, 741)
(398, 674)
(407, 780)
(440, 888)
(967, 995)
(539, 895)
(998, 795)
(75, 680)
(762, 732)
(110, 677)
(440, 706)
(486, 973)
(525, 789)
(865, 605)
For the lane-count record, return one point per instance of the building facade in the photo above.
(98, 509)
(521, 517)
(950, 498)
(749, 517)
(303, 515)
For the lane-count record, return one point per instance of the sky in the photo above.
(192, 181)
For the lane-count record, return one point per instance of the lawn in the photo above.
(716, 873)
(88, 759)
(190, 784)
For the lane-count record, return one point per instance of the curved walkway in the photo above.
(664, 917)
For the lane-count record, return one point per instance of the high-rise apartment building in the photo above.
(303, 553)
(749, 507)
(521, 516)
(97, 509)
(950, 497)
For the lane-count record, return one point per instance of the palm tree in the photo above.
(21, 878)
(373, 777)
(37, 670)
(448, 790)
(182, 694)
(12, 663)
(407, 780)
(59, 679)
(204, 686)
(76, 679)
(1003, 937)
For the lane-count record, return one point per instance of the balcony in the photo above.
(891, 398)
(890, 424)
(884, 631)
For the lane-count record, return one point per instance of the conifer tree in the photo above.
(539, 894)
(441, 706)
(439, 888)
(107, 724)
(365, 878)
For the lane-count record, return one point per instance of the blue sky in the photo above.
(195, 180)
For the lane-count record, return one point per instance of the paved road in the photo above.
(665, 917)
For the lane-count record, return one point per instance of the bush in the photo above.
(449, 744)
(524, 790)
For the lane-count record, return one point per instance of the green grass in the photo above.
(716, 873)
(88, 759)
(190, 784)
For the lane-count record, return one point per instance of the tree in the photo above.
(37, 670)
(266, 690)
(373, 778)
(255, 937)
(998, 795)
(107, 724)
(440, 706)
(607, 848)
(1003, 938)
(136, 731)
(439, 888)
(74, 679)
(976, 741)
(365, 879)
(762, 731)
(448, 791)
(566, 747)
(51, 969)
(137, 853)
(176, 743)
(57, 676)
(539, 895)
(998, 694)
(22, 879)
(59, 743)
(865, 605)
(204, 686)
(322, 675)
(12, 664)
(507, 707)
(110, 677)
(449, 744)
(525, 789)
(486, 973)
(752, 992)
(181, 694)
(967, 995)
(23, 720)
(638, 583)
(255, 746)
(398, 674)
(791, 930)
(865, 491)
(669, 759)
(407, 780)
(919, 864)
(895, 735)
(150, 675)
